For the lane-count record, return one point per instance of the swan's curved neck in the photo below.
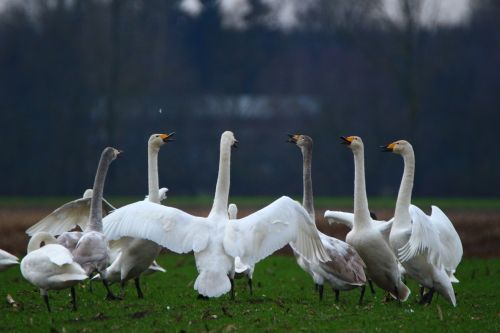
(361, 211)
(38, 238)
(153, 182)
(402, 214)
(307, 198)
(95, 222)
(223, 180)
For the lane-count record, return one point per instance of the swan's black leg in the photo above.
(320, 289)
(232, 288)
(46, 300)
(370, 283)
(396, 292)
(362, 295)
(110, 296)
(123, 283)
(250, 286)
(138, 288)
(429, 296)
(316, 287)
(337, 295)
(200, 296)
(421, 292)
(73, 298)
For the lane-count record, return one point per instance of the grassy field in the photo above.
(284, 300)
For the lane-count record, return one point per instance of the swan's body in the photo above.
(7, 260)
(381, 263)
(346, 269)
(215, 240)
(136, 255)
(428, 247)
(50, 267)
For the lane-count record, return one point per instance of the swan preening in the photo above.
(345, 270)
(216, 241)
(51, 267)
(428, 247)
(7, 260)
(381, 263)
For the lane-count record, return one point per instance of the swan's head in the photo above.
(111, 153)
(353, 142)
(228, 139)
(162, 193)
(397, 147)
(158, 140)
(232, 210)
(302, 141)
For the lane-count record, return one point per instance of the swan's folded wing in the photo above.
(58, 254)
(260, 234)
(68, 216)
(452, 245)
(424, 239)
(344, 218)
(166, 226)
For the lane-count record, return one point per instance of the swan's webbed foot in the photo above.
(362, 295)
(110, 296)
(427, 298)
(138, 288)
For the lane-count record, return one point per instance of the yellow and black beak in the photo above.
(167, 137)
(346, 140)
(293, 138)
(235, 144)
(388, 148)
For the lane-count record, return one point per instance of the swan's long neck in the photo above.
(95, 222)
(361, 211)
(38, 238)
(402, 214)
(223, 180)
(307, 199)
(153, 182)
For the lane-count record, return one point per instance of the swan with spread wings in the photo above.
(215, 240)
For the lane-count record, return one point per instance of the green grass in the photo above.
(284, 300)
(261, 201)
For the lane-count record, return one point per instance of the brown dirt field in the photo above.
(478, 229)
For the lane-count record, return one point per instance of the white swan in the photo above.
(216, 241)
(381, 263)
(51, 267)
(346, 269)
(240, 268)
(428, 247)
(7, 260)
(69, 216)
(136, 255)
(347, 219)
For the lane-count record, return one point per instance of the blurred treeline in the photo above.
(77, 77)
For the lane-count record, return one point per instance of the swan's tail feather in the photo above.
(212, 283)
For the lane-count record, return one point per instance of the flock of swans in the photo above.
(116, 245)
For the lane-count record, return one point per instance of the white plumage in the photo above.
(7, 260)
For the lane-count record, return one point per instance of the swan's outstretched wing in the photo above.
(424, 239)
(166, 226)
(452, 245)
(260, 234)
(68, 216)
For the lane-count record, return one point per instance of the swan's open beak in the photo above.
(235, 144)
(387, 148)
(346, 140)
(293, 138)
(167, 137)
